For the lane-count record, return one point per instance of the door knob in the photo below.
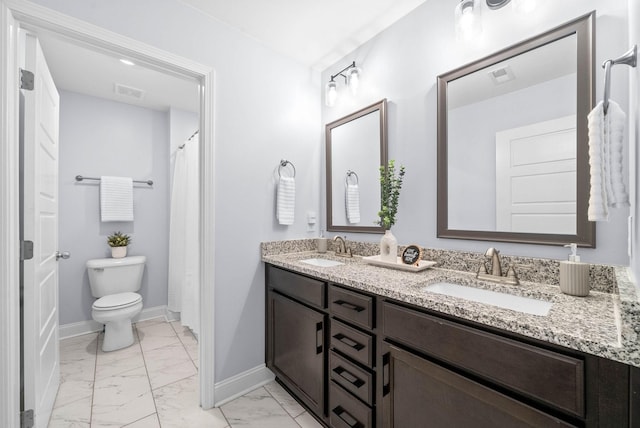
(62, 255)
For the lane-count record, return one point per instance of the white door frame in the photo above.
(18, 13)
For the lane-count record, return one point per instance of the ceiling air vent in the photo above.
(128, 91)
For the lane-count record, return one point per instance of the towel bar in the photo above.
(80, 178)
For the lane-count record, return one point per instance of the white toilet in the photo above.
(115, 282)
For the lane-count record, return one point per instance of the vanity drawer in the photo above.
(352, 378)
(297, 286)
(346, 411)
(351, 306)
(351, 342)
(544, 375)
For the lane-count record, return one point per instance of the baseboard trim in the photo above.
(238, 385)
(84, 327)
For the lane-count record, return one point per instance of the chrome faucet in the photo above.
(343, 250)
(496, 270)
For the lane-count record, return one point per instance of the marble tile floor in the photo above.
(154, 383)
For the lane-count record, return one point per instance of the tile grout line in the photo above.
(282, 405)
(146, 370)
(95, 371)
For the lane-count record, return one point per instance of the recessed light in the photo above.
(127, 62)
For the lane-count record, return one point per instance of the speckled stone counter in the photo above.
(605, 324)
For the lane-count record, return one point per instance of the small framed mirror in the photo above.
(513, 142)
(356, 147)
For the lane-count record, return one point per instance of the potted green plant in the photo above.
(118, 242)
(390, 185)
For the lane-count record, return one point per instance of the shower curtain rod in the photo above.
(181, 146)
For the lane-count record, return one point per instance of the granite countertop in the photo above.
(602, 324)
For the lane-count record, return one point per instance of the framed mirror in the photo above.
(356, 147)
(513, 149)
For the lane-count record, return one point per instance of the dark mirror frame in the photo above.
(583, 28)
(381, 107)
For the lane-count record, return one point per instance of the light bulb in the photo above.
(331, 94)
(354, 79)
(468, 19)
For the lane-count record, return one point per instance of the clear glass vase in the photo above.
(388, 247)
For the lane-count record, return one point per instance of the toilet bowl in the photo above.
(115, 311)
(115, 282)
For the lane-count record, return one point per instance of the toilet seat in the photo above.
(117, 301)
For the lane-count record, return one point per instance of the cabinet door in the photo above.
(419, 393)
(296, 351)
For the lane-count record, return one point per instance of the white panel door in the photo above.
(536, 178)
(41, 356)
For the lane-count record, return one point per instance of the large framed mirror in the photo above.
(513, 142)
(356, 147)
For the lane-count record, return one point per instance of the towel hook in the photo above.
(629, 58)
(283, 164)
(349, 174)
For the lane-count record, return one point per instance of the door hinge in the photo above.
(26, 419)
(26, 80)
(26, 250)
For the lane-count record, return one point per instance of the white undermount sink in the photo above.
(321, 262)
(526, 305)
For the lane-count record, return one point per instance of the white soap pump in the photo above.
(573, 257)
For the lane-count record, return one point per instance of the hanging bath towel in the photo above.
(606, 133)
(286, 200)
(116, 199)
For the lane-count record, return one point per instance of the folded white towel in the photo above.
(606, 133)
(352, 202)
(286, 200)
(116, 198)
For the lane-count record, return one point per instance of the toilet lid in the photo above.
(119, 300)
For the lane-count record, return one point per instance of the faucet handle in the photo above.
(482, 269)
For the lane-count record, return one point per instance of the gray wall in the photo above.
(100, 137)
(267, 107)
(402, 64)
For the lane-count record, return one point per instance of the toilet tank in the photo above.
(111, 276)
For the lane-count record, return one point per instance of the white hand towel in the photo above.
(352, 195)
(286, 200)
(606, 134)
(116, 198)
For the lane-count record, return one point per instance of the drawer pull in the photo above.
(349, 377)
(385, 374)
(347, 418)
(349, 342)
(349, 305)
(319, 339)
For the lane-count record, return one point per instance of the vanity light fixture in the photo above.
(127, 62)
(351, 74)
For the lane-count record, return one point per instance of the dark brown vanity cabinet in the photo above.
(359, 361)
(296, 333)
(437, 372)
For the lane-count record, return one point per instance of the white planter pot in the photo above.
(388, 247)
(118, 252)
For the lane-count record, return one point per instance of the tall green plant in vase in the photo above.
(390, 186)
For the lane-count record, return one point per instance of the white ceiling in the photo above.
(315, 33)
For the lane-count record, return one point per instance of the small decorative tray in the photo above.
(422, 264)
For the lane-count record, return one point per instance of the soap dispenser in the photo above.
(574, 275)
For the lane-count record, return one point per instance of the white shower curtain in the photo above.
(184, 246)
